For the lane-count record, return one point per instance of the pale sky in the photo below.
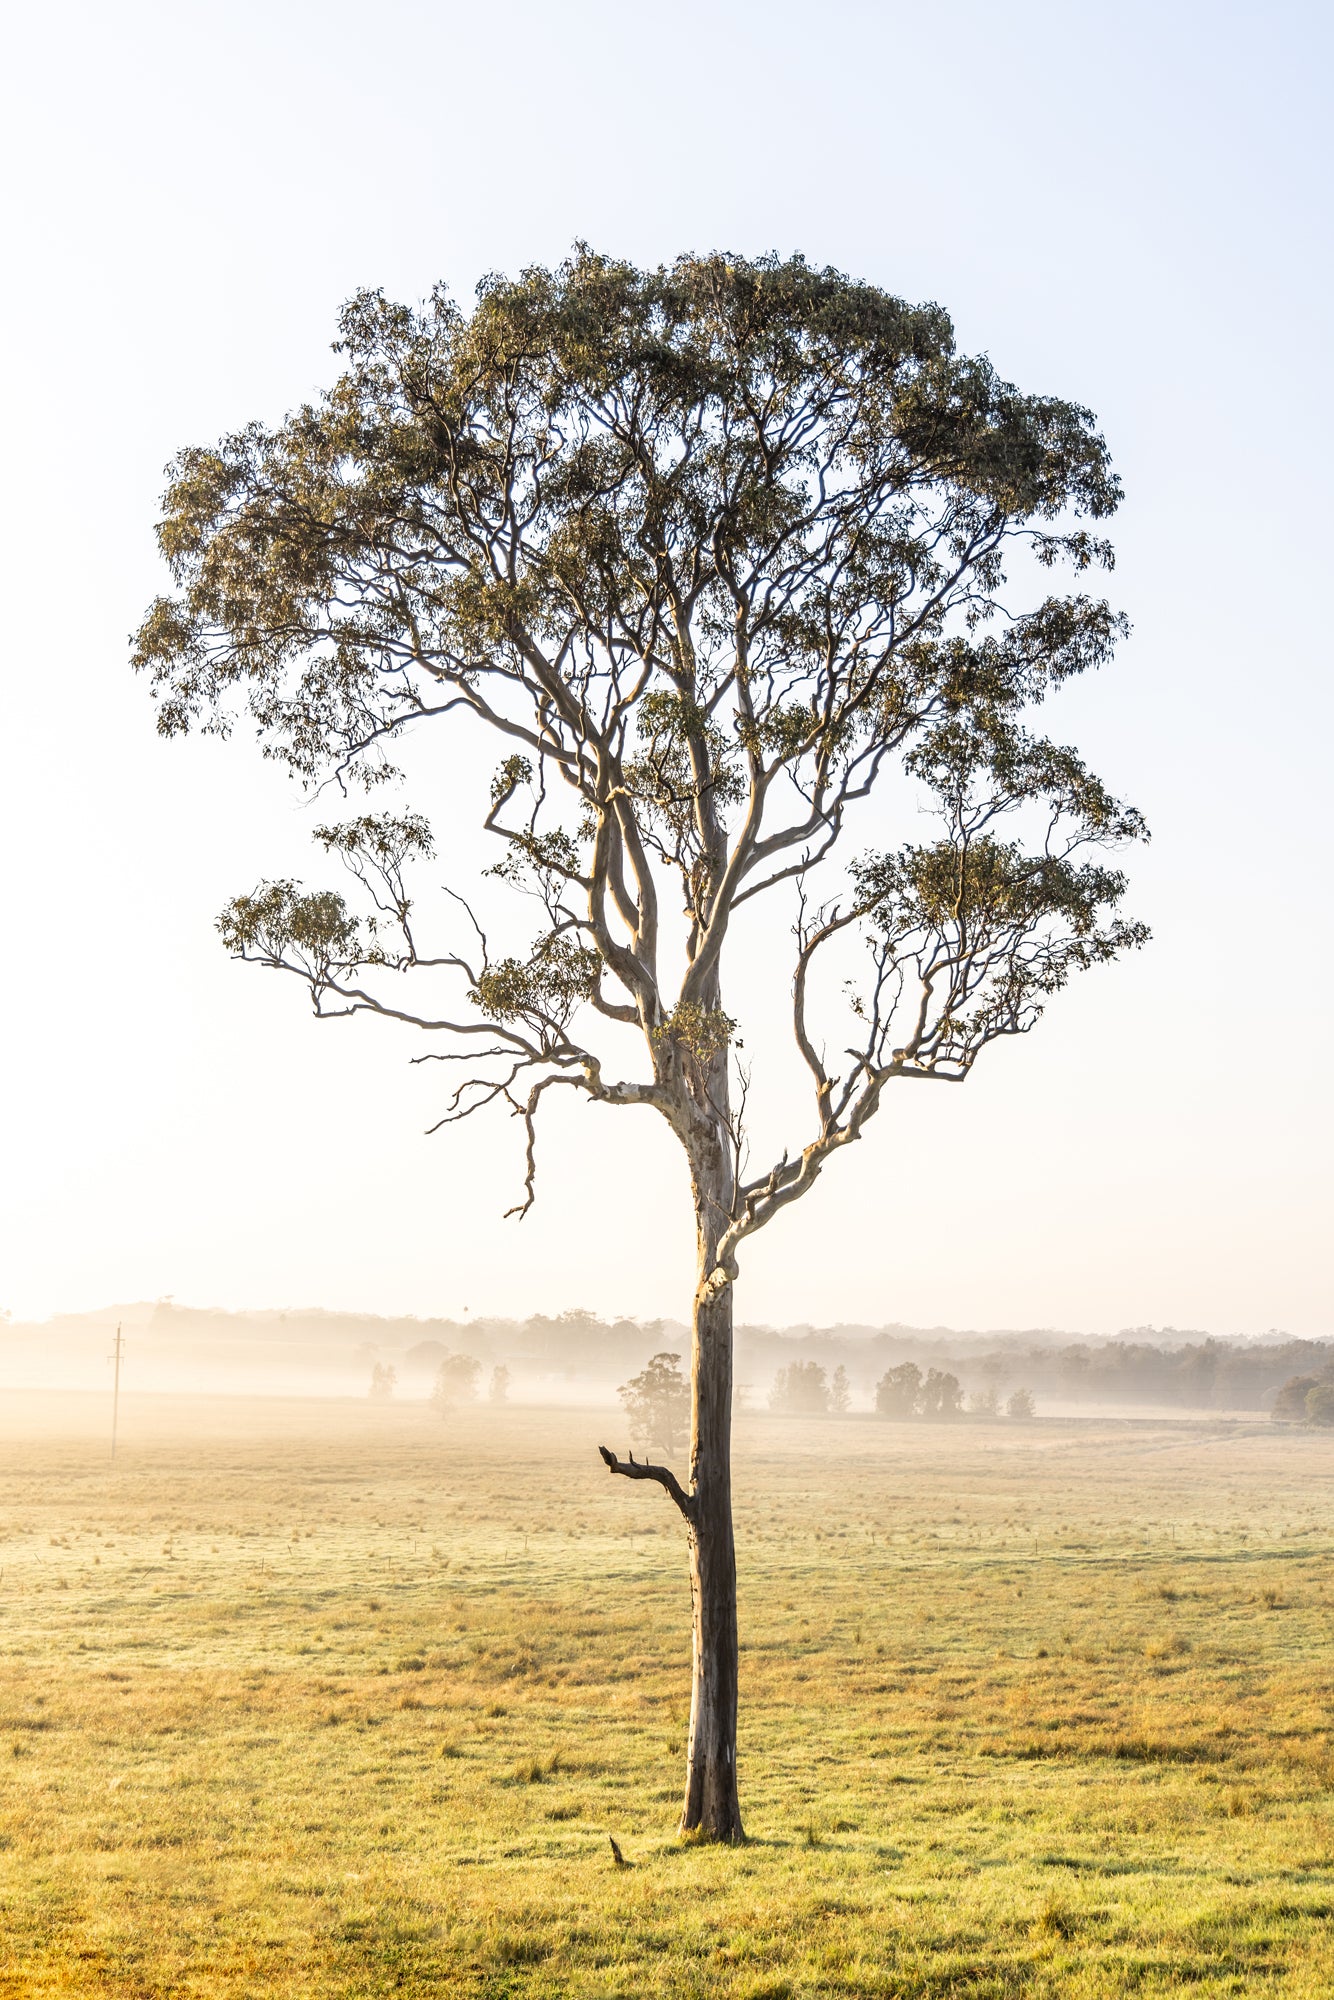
(1125, 204)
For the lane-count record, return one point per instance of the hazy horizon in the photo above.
(134, 1310)
(573, 1359)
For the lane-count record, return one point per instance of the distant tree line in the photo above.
(1171, 1371)
(905, 1392)
(1152, 1366)
(804, 1389)
(1200, 1374)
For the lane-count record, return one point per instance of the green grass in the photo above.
(310, 1700)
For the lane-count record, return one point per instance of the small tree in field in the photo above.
(800, 1390)
(898, 1393)
(734, 562)
(657, 1403)
(383, 1380)
(840, 1392)
(941, 1396)
(455, 1382)
(1020, 1406)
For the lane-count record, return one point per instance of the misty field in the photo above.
(324, 1699)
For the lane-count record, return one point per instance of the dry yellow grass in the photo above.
(323, 1700)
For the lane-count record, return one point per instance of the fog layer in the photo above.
(573, 1357)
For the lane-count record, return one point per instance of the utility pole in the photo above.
(117, 1351)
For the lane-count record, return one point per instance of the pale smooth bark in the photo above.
(712, 1802)
(701, 1116)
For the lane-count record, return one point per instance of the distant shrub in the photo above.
(984, 1403)
(801, 1390)
(1021, 1406)
(840, 1392)
(382, 1383)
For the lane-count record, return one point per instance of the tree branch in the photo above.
(632, 1468)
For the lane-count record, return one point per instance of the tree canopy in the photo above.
(715, 547)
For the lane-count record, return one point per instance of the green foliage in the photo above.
(1002, 929)
(685, 760)
(703, 1032)
(515, 771)
(281, 921)
(388, 840)
(547, 987)
(596, 451)
(552, 854)
(711, 552)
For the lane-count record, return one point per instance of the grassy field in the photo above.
(309, 1700)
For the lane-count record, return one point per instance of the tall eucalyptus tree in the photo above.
(722, 555)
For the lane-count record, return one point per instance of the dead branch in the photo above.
(633, 1468)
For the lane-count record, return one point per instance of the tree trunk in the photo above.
(712, 1806)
